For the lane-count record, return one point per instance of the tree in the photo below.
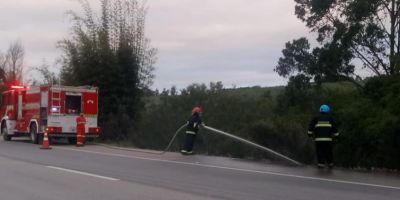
(16, 59)
(330, 62)
(11, 63)
(216, 86)
(49, 77)
(368, 29)
(297, 59)
(111, 52)
(3, 65)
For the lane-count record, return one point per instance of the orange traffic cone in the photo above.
(46, 143)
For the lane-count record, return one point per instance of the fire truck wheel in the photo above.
(4, 131)
(33, 134)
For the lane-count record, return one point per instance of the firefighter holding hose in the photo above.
(191, 130)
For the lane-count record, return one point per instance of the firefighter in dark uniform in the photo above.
(191, 130)
(324, 131)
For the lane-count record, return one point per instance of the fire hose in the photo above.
(215, 131)
(150, 152)
(251, 143)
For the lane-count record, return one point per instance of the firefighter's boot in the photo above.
(79, 140)
(186, 153)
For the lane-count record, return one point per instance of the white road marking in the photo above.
(83, 173)
(237, 169)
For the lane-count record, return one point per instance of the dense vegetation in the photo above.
(278, 117)
(367, 31)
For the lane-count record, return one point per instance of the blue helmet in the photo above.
(324, 109)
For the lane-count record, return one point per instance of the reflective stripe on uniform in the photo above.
(191, 132)
(310, 132)
(323, 139)
(323, 124)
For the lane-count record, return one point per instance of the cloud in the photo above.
(237, 42)
(38, 25)
(233, 41)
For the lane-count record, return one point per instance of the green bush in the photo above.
(368, 119)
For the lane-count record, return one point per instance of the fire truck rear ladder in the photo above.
(55, 102)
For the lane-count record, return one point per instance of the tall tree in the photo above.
(331, 62)
(11, 63)
(3, 66)
(368, 29)
(110, 51)
(16, 55)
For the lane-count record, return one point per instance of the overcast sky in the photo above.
(237, 42)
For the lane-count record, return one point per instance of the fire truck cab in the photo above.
(30, 111)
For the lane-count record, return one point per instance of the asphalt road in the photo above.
(100, 173)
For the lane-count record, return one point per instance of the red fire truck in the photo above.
(30, 111)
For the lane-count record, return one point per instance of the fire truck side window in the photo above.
(72, 104)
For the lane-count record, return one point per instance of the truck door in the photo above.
(90, 103)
